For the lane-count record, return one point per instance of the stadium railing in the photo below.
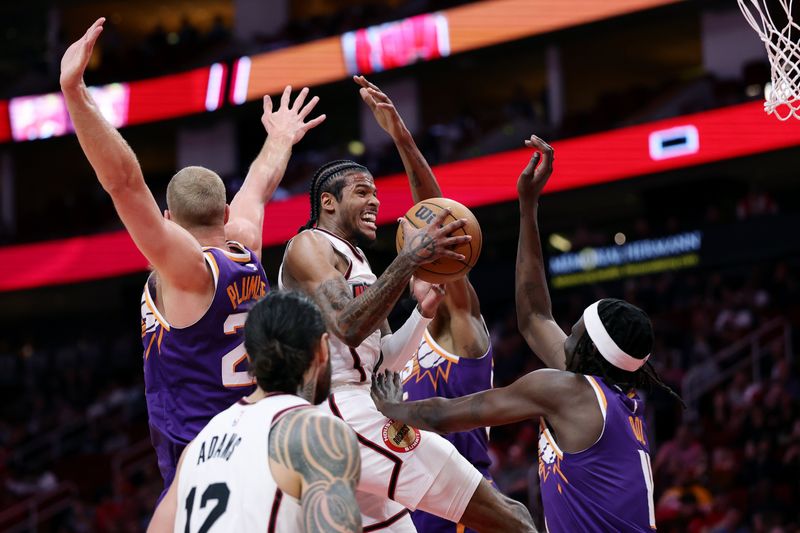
(745, 352)
(133, 458)
(29, 514)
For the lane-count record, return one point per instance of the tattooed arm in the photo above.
(540, 393)
(315, 457)
(310, 266)
(534, 310)
(461, 308)
(420, 175)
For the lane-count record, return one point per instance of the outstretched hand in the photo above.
(287, 120)
(538, 171)
(77, 56)
(427, 295)
(384, 111)
(386, 388)
(429, 243)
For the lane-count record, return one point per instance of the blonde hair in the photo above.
(196, 197)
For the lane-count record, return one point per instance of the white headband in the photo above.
(605, 344)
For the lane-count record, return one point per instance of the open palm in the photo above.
(289, 120)
(75, 59)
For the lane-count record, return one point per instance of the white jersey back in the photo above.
(350, 365)
(225, 483)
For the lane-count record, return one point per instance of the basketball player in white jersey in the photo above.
(454, 357)
(402, 467)
(271, 462)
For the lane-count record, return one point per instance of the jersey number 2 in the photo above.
(215, 491)
(232, 359)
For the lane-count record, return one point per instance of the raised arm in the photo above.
(534, 310)
(285, 127)
(420, 176)
(323, 451)
(460, 293)
(540, 393)
(311, 263)
(176, 255)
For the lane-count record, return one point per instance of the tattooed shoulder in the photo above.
(323, 450)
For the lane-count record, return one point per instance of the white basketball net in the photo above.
(783, 48)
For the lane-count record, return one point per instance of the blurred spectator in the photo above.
(683, 505)
(683, 453)
(219, 32)
(756, 203)
(732, 464)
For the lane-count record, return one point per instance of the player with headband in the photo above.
(594, 455)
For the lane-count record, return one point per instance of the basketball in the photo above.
(445, 269)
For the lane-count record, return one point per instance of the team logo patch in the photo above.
(400, 437)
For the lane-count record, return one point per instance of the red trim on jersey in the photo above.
(273, 515)
(375, 447)
(348, 243)
(282, 412)
(243, 400)
(357, 364)
(386, 523)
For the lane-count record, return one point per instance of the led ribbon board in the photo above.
(647, 256)
(122, 104)
(581, 161)
(391, 45)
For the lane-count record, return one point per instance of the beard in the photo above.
(322, 385)
(363, 241)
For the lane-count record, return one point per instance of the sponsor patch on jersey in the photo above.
(400, 437)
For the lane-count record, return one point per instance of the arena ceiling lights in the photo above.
(581, 161)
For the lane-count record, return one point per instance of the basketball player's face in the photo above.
(359, 208)
(571, 343)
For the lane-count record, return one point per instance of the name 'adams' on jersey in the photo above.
(225, 483)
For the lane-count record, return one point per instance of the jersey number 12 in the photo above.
(215, 491)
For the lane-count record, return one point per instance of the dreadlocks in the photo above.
(327, 179)
(631, 330)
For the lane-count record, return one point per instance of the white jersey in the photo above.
(350, 365)
(400, 465)
(225, 484)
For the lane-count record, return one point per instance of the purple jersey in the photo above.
(608, 486)
(435, 372)
(193, 373)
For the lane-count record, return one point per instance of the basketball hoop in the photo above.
(783, 49)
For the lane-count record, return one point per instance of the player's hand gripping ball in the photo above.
(445, 269)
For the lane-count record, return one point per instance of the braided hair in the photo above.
(327, 179)
(631, 330)
(281, 333)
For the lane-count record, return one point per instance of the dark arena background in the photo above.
(671, 189)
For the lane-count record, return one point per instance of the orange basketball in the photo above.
(445, 269)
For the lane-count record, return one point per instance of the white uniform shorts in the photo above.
(417, 469)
